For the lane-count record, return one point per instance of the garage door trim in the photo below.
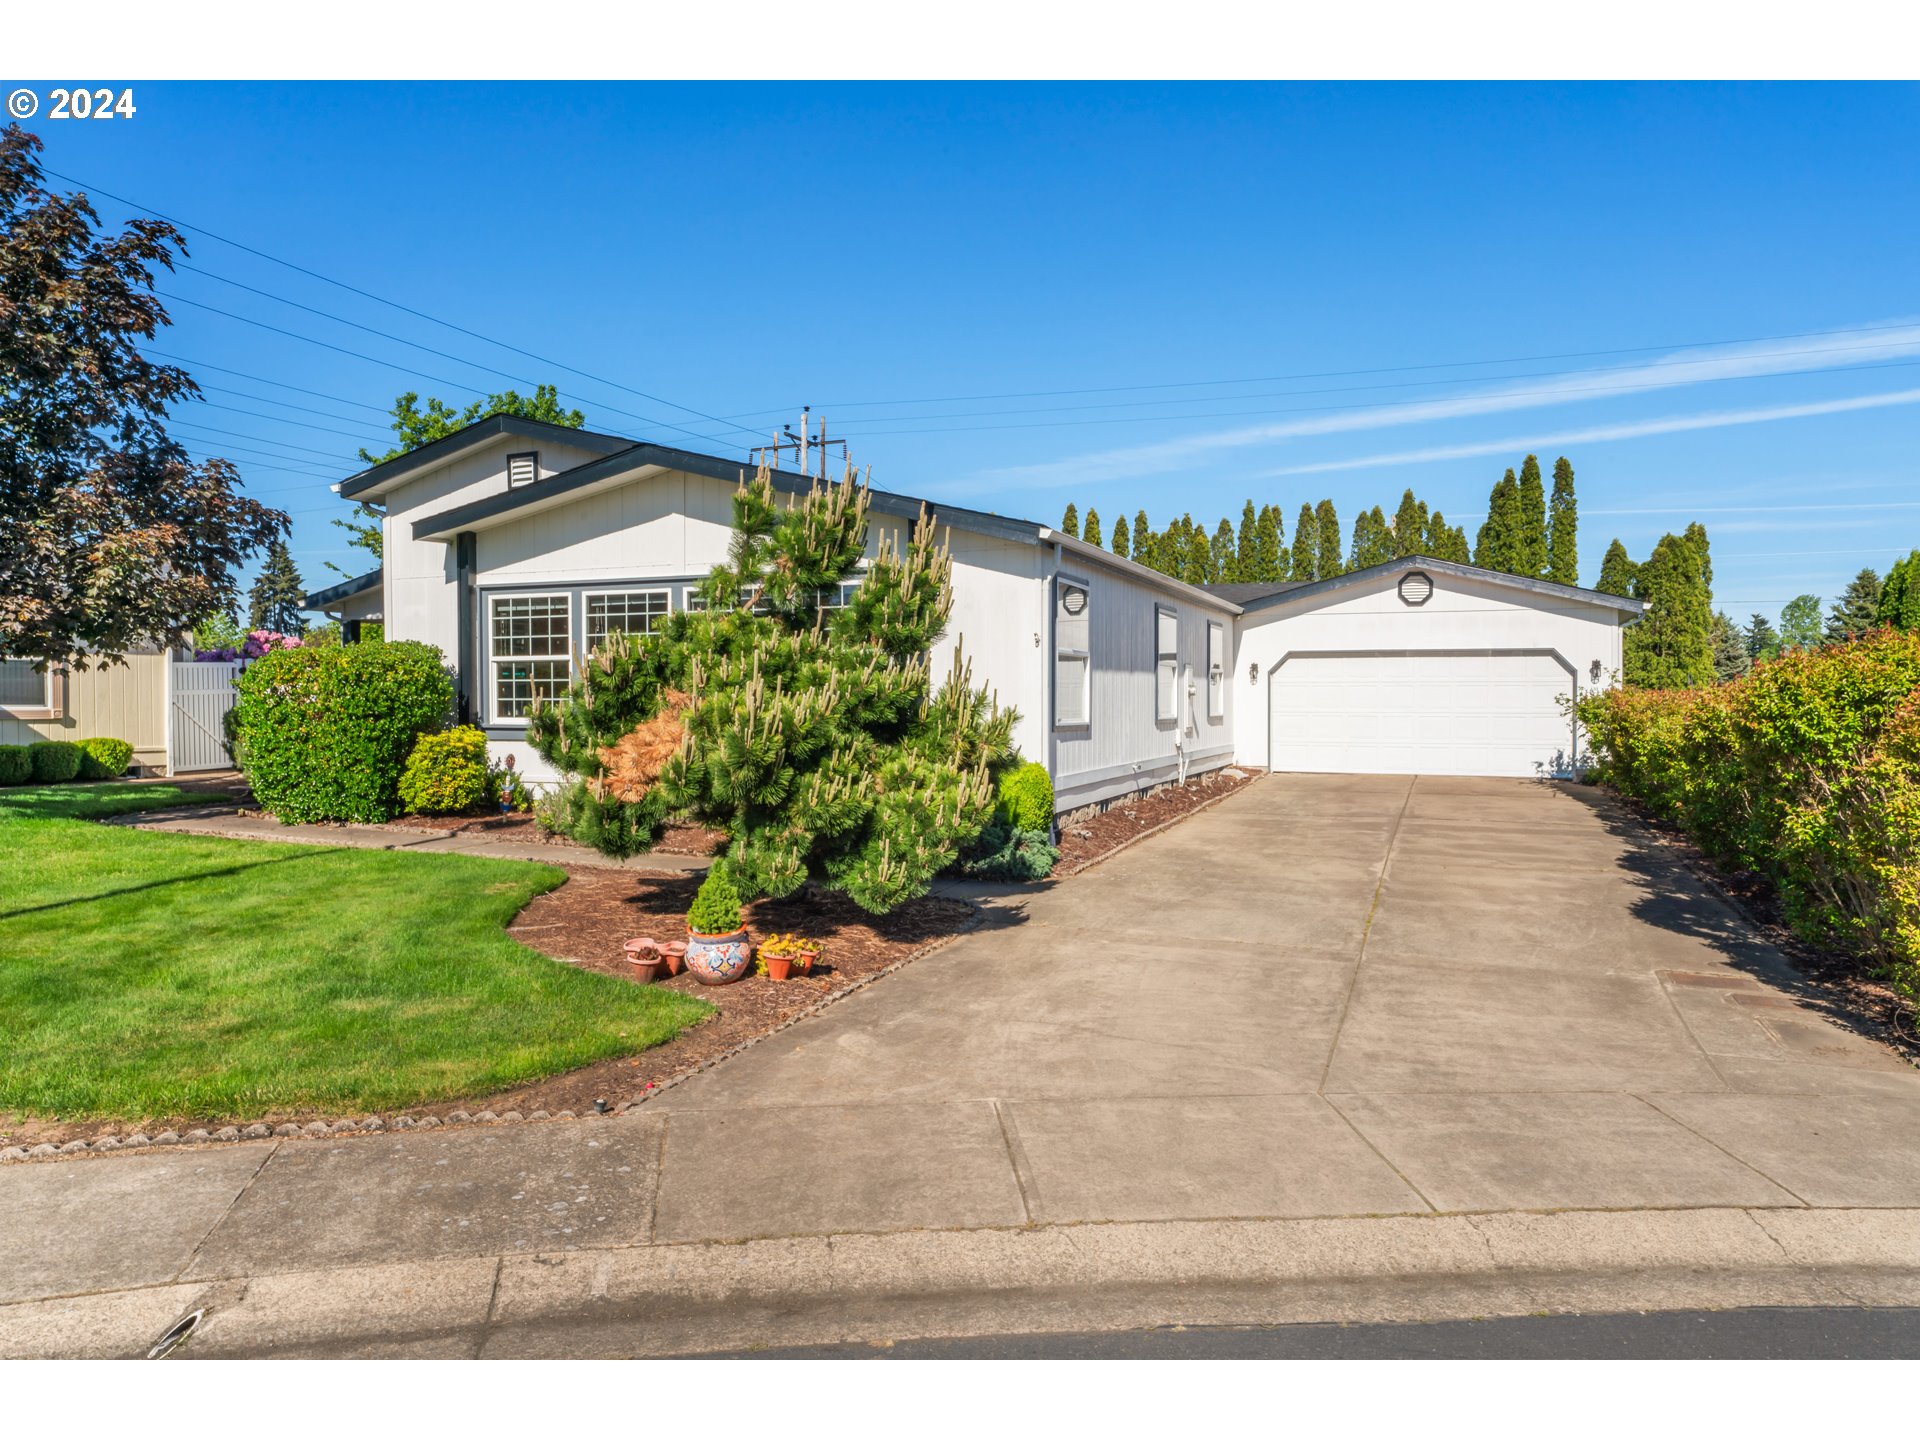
(1573, 674)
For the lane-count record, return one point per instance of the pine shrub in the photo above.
(1026, 798)
(325, 733)
(16, 765)
(54, 761)
(1004, 852)
(446, 773)
(102, 758)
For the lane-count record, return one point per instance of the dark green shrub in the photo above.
(446, 773)
(1026, 798)
(54, 761)
(716, 908)
(1004, 853)
(324, 733)
(102, 758)
(16, 765)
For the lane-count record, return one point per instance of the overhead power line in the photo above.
(408, 309)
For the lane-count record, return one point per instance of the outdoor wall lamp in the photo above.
(1594, 671)
(1253, 672)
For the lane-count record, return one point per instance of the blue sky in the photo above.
(1169, 296)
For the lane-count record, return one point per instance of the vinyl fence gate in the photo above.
(200, 693)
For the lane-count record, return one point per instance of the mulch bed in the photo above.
(1087, 841)
(1835, 976)
(587, 921)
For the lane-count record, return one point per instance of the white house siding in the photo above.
(1125, 746)
(999, 623)
(419, 601)
(1463, 614)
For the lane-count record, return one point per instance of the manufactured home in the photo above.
(517, 546)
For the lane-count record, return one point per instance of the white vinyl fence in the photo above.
(199, 697)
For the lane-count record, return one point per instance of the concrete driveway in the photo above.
(1333, 1037)
(1328, 995)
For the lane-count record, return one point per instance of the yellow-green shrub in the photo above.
(1807, 770)
(102, 758)
(446, 773)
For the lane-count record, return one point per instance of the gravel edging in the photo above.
(376, 1124)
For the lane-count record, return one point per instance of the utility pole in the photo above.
(804, 443)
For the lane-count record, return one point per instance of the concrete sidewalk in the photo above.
(1339, 1047)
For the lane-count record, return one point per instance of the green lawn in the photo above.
(86, 802)
(151, 974)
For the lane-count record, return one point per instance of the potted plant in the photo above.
(776, 958)
(718, 946)
(806, 951)
(648, 962)
(674, 954)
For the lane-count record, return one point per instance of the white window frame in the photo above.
(1216, 670)
(587, 597)
(1064, 651)
(495, 661)
(1166, 667)
(42, 708)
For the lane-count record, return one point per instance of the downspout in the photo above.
(1049, 586)
(464, 548)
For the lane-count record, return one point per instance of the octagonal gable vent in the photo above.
(1416, 587)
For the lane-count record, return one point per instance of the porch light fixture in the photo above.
(1253, 672)
(1594, 671)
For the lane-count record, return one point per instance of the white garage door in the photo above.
(1420, 714)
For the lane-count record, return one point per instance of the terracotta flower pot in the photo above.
(804, 961)
(719, 959)
(778, 966)
(647, 961)
(674, 952)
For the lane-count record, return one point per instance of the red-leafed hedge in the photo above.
(1807, 770)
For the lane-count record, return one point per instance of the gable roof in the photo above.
(1247, 592)
(622, 465)
(345, 590)
(375, 479)
(1300, 590)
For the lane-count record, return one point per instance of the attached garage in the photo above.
(1420, 667)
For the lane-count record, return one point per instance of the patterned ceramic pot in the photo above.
(718, 959)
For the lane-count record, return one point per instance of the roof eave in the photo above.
(1134, 570)
(1622, 604)
(346, 590)
(375, 479)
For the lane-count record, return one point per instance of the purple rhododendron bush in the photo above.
(1806, 770)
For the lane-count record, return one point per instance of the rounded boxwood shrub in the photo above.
(54, 761)
(1026, 798)
(446, 773)
(103, 758)
(324, 732)
(16, 765)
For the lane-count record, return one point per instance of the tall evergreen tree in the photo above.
(1497, 547)
(1730, 658)
(1800, 623)
(1447, 542)
(1530, 548)
(1070, 522)
(1372, 540)
(1305, 562)
(1143, 547)
(1091, 531)
(1247, 545)
(1696, 536)
(1199, 566)
(274, 601)
(1672, 644)
(1858, 608)
(1269, 556)
(1616, 571)
(1326, 525)
(1410, 526)
(1225, 562)
(1563, 523)
(1120, 537)
(1762, 640)
(1900, 596)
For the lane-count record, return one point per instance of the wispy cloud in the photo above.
(1626, 430)
(1680, 369)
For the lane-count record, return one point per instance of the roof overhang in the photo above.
(1133, 569)
(643, 461)
(344, 591)
(377, 480)
(1626, 607)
